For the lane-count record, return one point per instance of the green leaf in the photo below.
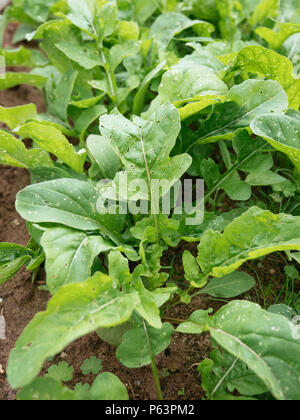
(147, 308)
(70, 256)
(266, 178)
(42, 174)
(10, 269)
(144, 149)
(128, 31)
(183, 84)
(15, 116)
(46, 389)
(231, 14)
(52, 140)
(4, 20)
(282, 132)
(284, 310)
(140, 97)
(87, 103)
(223, 373)
(10, 251)
(14, 153)
(12, 259)
(82, 15)
(249, 153)
(267, 343)
(12, 80)
(296, 256)
(168, 229)
(236, 189)
(250, 159)
(119, 268)
(193, 108)
(108, 19)
(82, 391)
(144, 10)
(91, 365)
(60, 95)
(269, 64)
(76, 310)
(168, 25)
(134, 351)
(69, 202)
(108, 161)
(196, 324)
(85, 54)
(230, 286)
(191, 267)
(61, 372)
(23, 57)
(290, 10)
(119, 52)
(107, 387)
(265, 9)
(206, 9)
(87, 118)
(38, 10)
(243, 103)
(113, 336)
(276, 37)
(253, 235)
(22, 31)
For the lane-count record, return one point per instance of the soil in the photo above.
(21, 299)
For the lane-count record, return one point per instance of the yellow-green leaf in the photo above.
(52, 140)
(14, 153)
(15, 116)
(76, 310)
(269, 64)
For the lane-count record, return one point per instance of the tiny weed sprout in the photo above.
(164, 194)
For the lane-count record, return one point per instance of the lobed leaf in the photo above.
(144, 149)
(51, 139)
(70, 255)
(253, 235)
(266, 342)
(14, 153)
(76, 310)
(12, 80)
(271, 65)
(242, 104)
(15, 116)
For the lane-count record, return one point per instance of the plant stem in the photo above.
(223, 378)
(109, 76)
(174, 320)
(227, 175)
(105, 63)
(155, 372)
(154, 210)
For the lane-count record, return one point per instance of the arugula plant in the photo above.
(154, 91)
